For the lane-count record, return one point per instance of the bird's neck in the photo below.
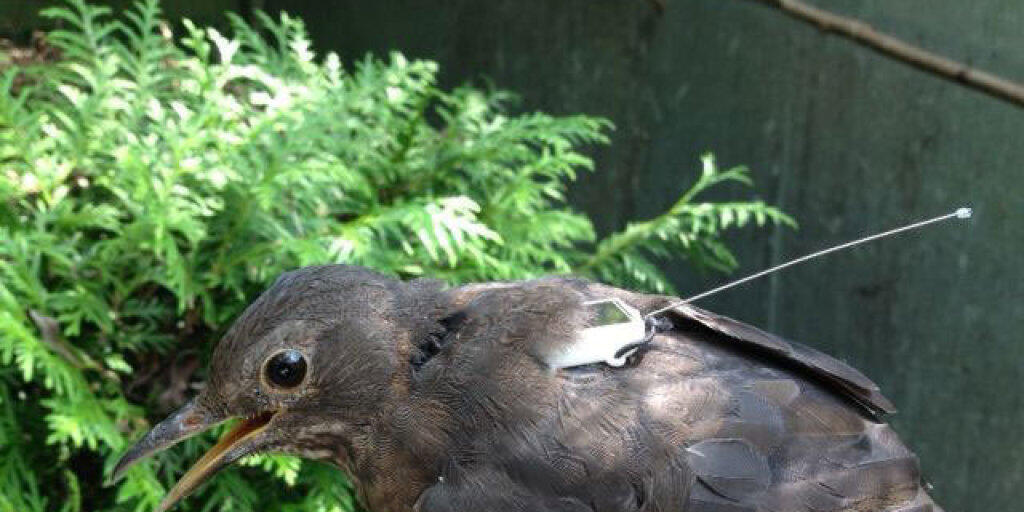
(403, 450)
(391, 464)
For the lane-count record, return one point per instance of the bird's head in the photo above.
(305, 367)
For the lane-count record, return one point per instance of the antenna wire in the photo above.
(961, 213)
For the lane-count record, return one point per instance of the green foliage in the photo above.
(151, 187)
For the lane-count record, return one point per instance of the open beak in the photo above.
(187, 422)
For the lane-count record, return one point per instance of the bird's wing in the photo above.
(845, 379)
(798, 431)
(765, 438)
(794, 429)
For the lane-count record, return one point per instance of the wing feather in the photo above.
(852, 383)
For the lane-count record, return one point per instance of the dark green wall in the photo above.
(847, 141)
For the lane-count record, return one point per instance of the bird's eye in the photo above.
(286, 369)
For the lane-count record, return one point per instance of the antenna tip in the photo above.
(964, 213)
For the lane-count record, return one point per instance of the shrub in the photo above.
(151, 187)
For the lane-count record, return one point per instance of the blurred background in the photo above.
(844, 140)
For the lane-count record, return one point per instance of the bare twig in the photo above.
(54, 339)
(51, 336)
(865, 34)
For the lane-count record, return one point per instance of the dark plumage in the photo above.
(440, 400)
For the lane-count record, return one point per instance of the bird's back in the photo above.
(707, 418)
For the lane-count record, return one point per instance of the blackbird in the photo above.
(439, 399)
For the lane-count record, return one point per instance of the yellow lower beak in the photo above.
(231, 447)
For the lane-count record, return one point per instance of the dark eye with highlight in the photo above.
(286, 369)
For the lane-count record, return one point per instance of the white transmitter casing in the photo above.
(614, 327)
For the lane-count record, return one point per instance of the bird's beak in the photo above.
(186, 422)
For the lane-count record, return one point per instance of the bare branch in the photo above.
(51, 336)
(866, 35)
(54, 339)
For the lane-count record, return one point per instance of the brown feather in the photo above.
(440, 400)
